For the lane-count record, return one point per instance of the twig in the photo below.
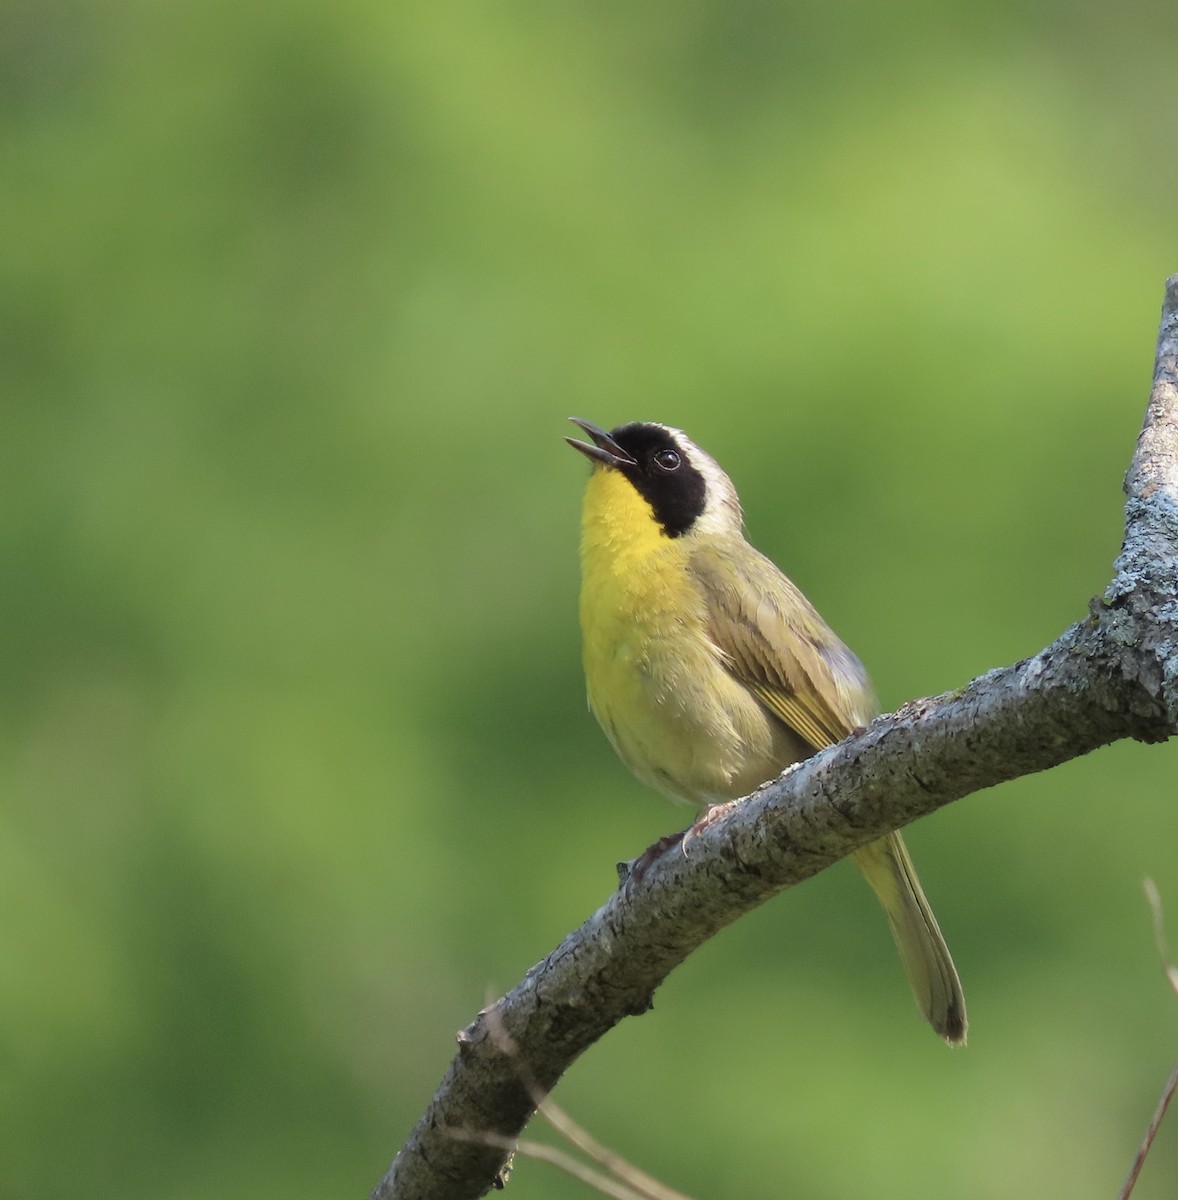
(556, 1157)
(627, 1178)
(1159, 932)
(1150, 1133)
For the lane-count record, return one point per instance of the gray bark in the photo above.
(1112, 675)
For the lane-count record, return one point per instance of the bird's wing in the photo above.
(775, 644)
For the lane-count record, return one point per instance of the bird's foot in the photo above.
(711, 814)
(632, 871)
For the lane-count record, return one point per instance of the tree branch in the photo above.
(1113, 675)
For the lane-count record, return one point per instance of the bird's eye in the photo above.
(667, 460)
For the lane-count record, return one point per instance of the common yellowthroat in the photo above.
(711, 673)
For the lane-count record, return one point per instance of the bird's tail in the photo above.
(927, 961)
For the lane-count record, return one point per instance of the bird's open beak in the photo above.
(604, 448)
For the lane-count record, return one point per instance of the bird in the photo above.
(710, 672)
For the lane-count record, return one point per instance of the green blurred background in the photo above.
(294, 757)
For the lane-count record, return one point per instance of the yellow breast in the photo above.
(656, 682)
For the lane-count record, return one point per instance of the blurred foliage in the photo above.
(294, 760)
